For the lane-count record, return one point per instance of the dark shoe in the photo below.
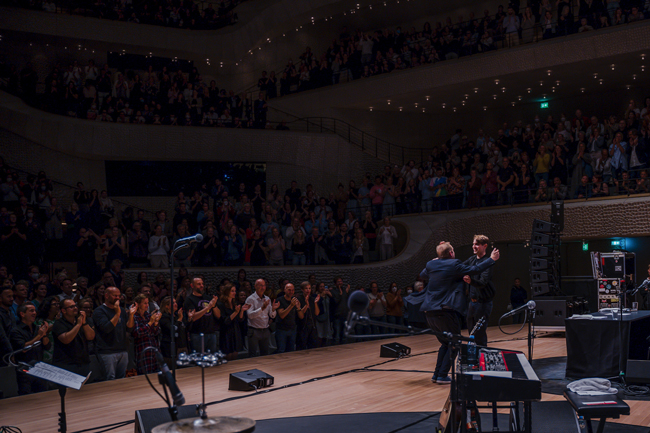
(434, 379)
(443, 380)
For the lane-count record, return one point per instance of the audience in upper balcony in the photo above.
(364, 53)
(180, 14)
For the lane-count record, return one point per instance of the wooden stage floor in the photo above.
(357, 392)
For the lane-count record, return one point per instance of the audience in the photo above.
(183, 14)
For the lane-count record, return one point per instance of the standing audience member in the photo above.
(231, 341)
(71, 334)
(387, 234)
(158, 248)
(394, 305)
(112, 323)
(145, 334)
(339, 309)
(259, 315)
(167, 320)
(518, 297)
(24, 334)
(287, 324)
(203, 317)
(307, 333)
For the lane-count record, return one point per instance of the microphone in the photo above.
(196, 238)
(358, 302)
(529, 305)
(176, 393)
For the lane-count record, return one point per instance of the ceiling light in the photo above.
(466, 96)
(595, 74)
(582, 90)
(628, 87)
(503, 89)
(548, 72)
(475, 89)
(370, 108)
(416, 105)
(494, 96)
(427, 97)
(541, 83)
(454, 109)
(528, 89)
(634, 76)
(613, 66)
(519, 97)
(388, 102)
(400, 108)
(496, 82)
(544, 95)
(513, 103)
(462, 103)
(485, 108)
(444, 105)
(600, 81)
(423, 110)
(557, 83)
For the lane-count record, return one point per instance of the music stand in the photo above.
(64, 378)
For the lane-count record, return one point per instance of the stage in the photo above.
(350, 382)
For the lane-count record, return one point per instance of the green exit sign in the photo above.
(585, 246)
(544, 105)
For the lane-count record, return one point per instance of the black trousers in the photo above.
(444, 321)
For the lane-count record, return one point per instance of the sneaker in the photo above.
(443, 380)
(434, 379)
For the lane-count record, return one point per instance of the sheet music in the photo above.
(57, 375)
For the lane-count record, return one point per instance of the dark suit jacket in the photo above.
(482, 288)
(446, 288)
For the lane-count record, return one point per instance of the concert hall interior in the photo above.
(377, 215)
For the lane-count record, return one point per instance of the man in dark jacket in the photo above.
(445, 302)
(481, 290)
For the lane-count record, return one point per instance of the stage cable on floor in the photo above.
(10, 429)
(109, 427)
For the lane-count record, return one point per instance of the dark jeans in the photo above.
(395, 320)
(376, 329)
(210, 342)
(285, 340)
(443, 321)
(475, 311)
(338, 325)
(259, 341)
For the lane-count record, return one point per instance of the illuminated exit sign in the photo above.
(544, 105)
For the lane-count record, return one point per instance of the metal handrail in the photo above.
(370, 144)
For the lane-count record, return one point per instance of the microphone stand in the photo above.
(172, 331)
(530, 318)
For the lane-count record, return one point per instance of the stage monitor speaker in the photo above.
(249, 380)
(550, 313)
(638, 371)
(394, 350)
(146, 420)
